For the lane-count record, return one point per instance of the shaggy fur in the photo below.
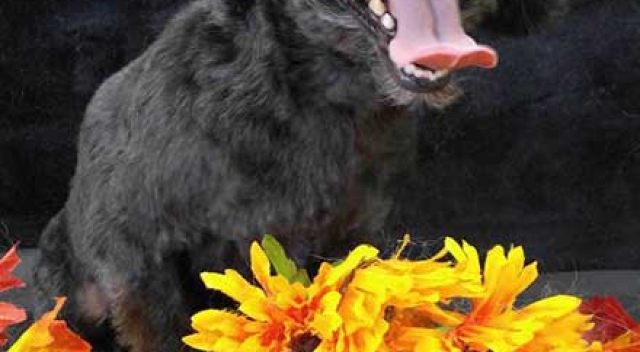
(244, 117)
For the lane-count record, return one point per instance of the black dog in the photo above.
(245, 117)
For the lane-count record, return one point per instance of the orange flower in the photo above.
(50, 335)
(9, 314)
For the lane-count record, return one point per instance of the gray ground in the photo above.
(624, 284)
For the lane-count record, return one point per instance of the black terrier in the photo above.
(244, 117)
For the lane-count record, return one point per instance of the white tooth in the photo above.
(378, 7)
(388, 21)
(419, 72)
(412, 69)
(430, 75)
(440, 73)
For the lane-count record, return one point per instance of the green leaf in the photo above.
(278, 258)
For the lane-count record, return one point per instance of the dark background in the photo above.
(543, 151)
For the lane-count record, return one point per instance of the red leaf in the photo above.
(610, 318)
(9, 315)
(9, 262)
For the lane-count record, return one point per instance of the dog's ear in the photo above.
(513, 16)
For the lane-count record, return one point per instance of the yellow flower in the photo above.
(495, 325)
(563, 325)
(278, 315)
(427, 285)
(349, 320)
(271, 314)
(407, 298)
(422, 314)
(50, 335)
(492, 323)
(366, 304)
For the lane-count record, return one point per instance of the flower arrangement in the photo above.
(447, 303)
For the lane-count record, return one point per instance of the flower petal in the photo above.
(232, 284)
(260, 266)
(353, 260)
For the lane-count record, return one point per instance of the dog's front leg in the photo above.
(150, 314)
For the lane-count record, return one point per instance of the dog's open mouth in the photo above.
(427, 41)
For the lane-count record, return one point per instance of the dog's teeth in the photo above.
(420, 73)
(410, 69)
(435, 75)
(388, 21)
(377, 7)
(416, 71)
(430, 75)
(440, 73)
(425, 73)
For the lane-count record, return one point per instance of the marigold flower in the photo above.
(9, 314)
(428, 285)
(50, 335)
(493, 324)
(277, 315)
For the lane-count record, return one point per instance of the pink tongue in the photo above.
(429, 33)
